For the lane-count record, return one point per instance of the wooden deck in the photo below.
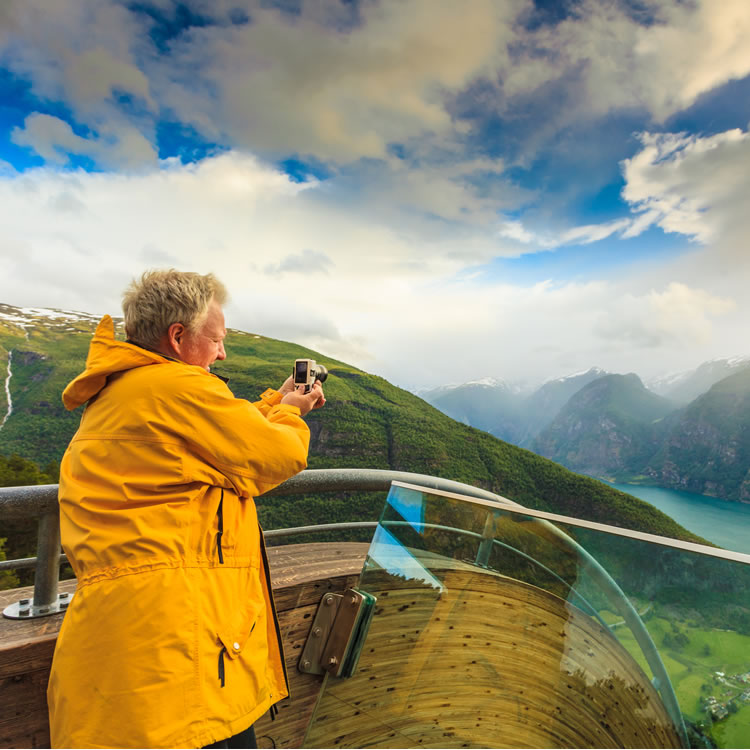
(300, 575)
(487, 661)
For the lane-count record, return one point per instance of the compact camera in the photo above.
(306, 372)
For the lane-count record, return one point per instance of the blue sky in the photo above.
(518, 189)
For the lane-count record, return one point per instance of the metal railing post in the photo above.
(47, 572)
(46, 600)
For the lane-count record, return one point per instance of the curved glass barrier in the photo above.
(495, 628)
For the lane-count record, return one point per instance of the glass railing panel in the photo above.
(696, 609)
(494, 628)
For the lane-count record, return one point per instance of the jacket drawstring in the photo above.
(221, 664)
(220, 532)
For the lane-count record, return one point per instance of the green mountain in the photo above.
(489, 405)
(706, 448)
(607, 428)
(504, 411)
(367, 422)
(543, 405)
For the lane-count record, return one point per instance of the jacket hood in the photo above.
(106, 356)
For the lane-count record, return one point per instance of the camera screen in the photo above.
(300, 372)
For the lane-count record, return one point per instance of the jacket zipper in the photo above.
(220, 532)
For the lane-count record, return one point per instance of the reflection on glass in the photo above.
(494, 628)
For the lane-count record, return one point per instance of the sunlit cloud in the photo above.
(379, 158)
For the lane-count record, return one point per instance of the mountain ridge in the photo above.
(367, 422)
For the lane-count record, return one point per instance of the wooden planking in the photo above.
(300, 575)
(524, 669)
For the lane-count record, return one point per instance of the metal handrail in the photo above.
(41, 500)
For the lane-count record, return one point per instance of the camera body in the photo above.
(306, 372)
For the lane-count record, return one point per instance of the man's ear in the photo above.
(175, 334)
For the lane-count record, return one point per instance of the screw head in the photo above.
(328, 601)
(353, 600)
(333, 661)
(43, 610)
(24, 612)
(64, 595)
(24, 602)
(306, 664)
(317, 631)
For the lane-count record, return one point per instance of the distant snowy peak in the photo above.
(495, 384)
(490, 383)
(689, 384)
(591, 374)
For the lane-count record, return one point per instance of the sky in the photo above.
(433, 191)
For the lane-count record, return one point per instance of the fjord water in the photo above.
(722, 522)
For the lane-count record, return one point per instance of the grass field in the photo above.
(692, 656)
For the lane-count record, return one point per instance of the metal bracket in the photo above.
(25, 609)
(337, 633)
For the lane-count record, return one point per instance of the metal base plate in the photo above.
(25, 609)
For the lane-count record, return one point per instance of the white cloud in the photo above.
(696, 186)
(387, 302)
(308, 262)
(604, 59)
(678, 316)
(313, 84)
(693, 48)
(579, 235)
(54, 140)
(391, 234)
(283, 83)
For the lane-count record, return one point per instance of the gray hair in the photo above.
(160, 298)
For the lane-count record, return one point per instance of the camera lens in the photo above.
(321, 373)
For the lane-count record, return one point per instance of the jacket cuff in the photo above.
(271, 397)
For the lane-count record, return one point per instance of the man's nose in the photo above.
(222, 354)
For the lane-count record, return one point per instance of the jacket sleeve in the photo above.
(256, 451)
(268, 399)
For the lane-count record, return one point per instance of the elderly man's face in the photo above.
(206, 345)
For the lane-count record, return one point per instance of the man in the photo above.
(171, 639)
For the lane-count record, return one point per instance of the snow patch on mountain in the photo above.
(28, 318)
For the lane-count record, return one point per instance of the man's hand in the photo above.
(287, 386)
(305, 401)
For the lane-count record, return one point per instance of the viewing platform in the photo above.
(490, 625)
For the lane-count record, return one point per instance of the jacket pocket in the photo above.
(231, 645)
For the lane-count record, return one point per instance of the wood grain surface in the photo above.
(488, 662)
(485, 662)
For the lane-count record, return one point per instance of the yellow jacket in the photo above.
(171, 639)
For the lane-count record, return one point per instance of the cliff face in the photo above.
(707, 446)
(607, 428)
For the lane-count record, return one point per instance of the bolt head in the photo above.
(306, 664)
(333, 661)
(328, 601)
(24, 602)
(43, 610)
(64, 595)
(24, 612)
(317, 631)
